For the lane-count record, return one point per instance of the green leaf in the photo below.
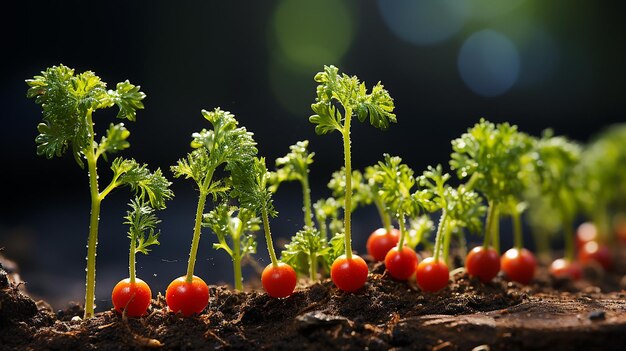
(114, 141)
(68, 101)
(494, 155)
(128, 98)
(352, 95)
(304, 244)
(420, 229)
(250, 181)
(142, 223)
(361, 191)
(292, 167)
(145, 183)
(232, 224)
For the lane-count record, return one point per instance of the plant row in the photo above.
(500, 171)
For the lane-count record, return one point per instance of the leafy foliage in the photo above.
(224, 144)
(68, 101)
(420, 229)
(251, 180)
(233, 224)
(352, 95)
(151, 184)
(494, 156)
(397, 184)
(305, 247)
(142, 222)
(292, 167)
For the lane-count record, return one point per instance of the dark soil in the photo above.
(384, 315)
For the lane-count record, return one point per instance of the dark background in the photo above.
(557, 64)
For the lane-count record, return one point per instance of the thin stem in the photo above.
(348, 198)
(197, 229)
(402, 230)
(495, 235)
(195, 241)
(268, 237)
(306, 195)
(384, 216)
(442, 221)
(237, 264)
(517, 230)
(92, 241)
(313, 266)
(131, 260)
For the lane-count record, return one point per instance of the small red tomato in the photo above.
(482, 263)
(401, 264)
(381, 241)
(585, 233)
(279, 281)
(349, 274)
(562, 268)
(432, 276)
(519, 265)
(187, 298)
(594, 251)
(132, 297)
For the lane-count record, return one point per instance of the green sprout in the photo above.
(352, 96)
(234, 228)
(142, 223)
(492, 157)
(68, 101)
(225, 144)
(295, 167)
(310, 244)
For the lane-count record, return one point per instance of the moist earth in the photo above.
(385, 314)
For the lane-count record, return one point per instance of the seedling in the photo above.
(385, 238)
(68, 102)
(251, 186)
(461, 209)
(225, 144)
(306, 250)
(397, 182)
(295, 167)
(348, 272)
(325, 210)
(491, 156)
(234, 228)
(554, 166)
(132, 295)
(602, 172)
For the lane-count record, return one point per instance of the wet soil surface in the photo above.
(385, 314)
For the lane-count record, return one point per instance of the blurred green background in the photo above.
(539, 64)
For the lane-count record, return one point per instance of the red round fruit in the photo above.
(585, 233)
(279, 281)
(562, 268)
(594, 251)
(519, 265)
(187, 298)
(349, 274)
(381, 241)
(133, 297)
(432, 276)
(482, 263)
(401, 264)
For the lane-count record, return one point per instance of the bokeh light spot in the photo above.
(489, 63)
(313, 33)
(424, 22)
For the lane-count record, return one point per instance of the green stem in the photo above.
(92, 241)
(491, 223)
(384, 216)
(195, 241)
(306, 195)
(517, 230)
(442, 221)
(402, 230)
(131, 261)
(495, 236)
(237, 264)
(348, 198)
(268, 237)
(313, 266)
